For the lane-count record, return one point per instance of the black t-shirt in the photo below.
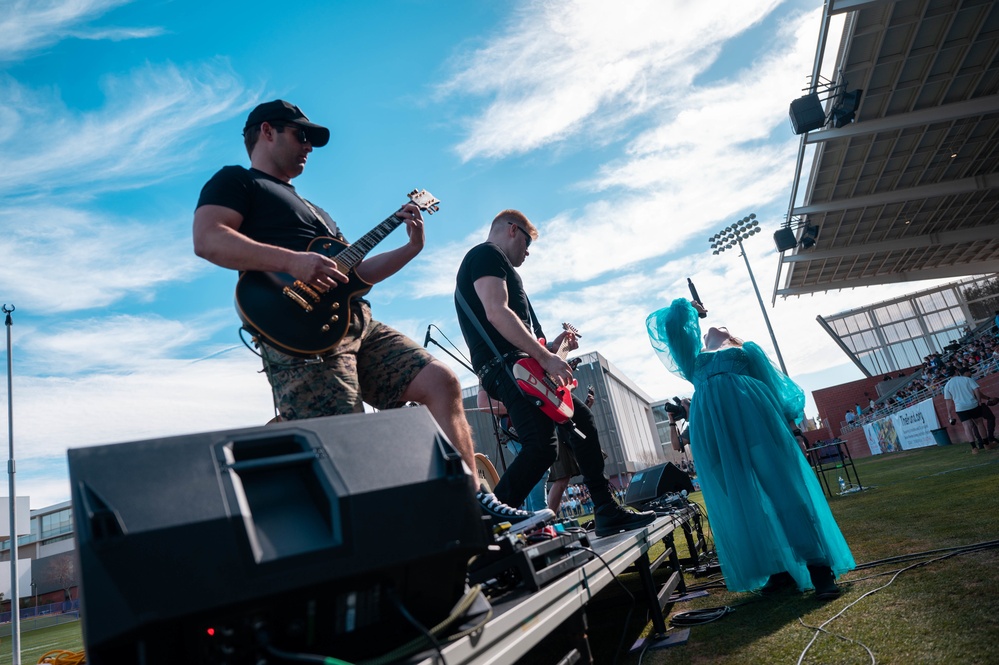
(272, 212)
(487, 260)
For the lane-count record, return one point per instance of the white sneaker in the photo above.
(520, 520)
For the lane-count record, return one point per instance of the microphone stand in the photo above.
(494, 418)
(459, 360)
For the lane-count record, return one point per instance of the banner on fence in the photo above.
(905, 430)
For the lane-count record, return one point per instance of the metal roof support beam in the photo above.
(962, 186)
(980, 233)
(962, 270)
(843, 6)
(946, 113)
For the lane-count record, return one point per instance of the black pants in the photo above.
(985, 413)
(537, 436)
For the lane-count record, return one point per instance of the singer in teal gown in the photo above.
(764, 503)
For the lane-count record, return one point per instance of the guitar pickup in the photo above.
(297, 298)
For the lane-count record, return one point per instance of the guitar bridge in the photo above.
(298, 293)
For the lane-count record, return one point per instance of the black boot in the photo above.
(611, 518)
(824, 582)
(777, 583)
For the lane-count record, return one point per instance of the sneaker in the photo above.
(612, 518)
(519, 520)
(824, 582)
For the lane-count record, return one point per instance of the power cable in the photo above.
(627, 620)
(951, 552)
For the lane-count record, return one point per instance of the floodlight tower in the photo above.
(728, 238)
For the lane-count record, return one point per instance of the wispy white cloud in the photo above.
(69, 259)
(561, 69)
(121, 343)
(167, 397)
(147, 129)
(115, 34)
(698, 152)
(31, 25)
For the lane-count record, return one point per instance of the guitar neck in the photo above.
(355, 253)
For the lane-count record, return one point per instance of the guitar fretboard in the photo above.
(351, 256)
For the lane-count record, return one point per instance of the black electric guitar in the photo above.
(300, 320)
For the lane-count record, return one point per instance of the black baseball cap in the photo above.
(282, 111)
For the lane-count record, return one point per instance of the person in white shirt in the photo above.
(965, 400)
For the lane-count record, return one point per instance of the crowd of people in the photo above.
(576, 501)
(977, 351)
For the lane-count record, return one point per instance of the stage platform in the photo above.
(523, 618)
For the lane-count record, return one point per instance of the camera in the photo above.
(676, 409)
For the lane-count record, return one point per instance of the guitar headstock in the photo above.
(568, 327)
(425, 201)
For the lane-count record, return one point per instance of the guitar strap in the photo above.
(315, 213)
(538, 332)
(492, 347)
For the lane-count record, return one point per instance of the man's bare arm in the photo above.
(493, 294)
(217, 239)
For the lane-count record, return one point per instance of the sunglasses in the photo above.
(527, 236)
(296, 131)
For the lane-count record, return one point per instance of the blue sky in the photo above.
(628, 132)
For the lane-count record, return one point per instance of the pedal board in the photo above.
(513, 561)
(667, 504)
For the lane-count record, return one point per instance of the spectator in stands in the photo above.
(849, 417)
(965, 400)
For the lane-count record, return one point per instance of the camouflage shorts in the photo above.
(565, 464)
(374, 363)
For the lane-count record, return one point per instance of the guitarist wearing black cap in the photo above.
(300, 285)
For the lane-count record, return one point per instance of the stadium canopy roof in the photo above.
(909, 190)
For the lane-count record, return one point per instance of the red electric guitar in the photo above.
(556, 401)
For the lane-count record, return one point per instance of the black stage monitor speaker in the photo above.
(784, 239)
(656, 481)
(305, 537)
(806, 114)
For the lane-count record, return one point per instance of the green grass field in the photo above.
(36, 643)
(945, 610)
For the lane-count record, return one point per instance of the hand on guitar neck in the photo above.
(556, 366)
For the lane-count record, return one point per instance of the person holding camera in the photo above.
(772, 526)
(676, 412)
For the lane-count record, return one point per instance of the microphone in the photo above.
(696, 298)
(426, 340)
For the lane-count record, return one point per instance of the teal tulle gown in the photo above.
(764, 503)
